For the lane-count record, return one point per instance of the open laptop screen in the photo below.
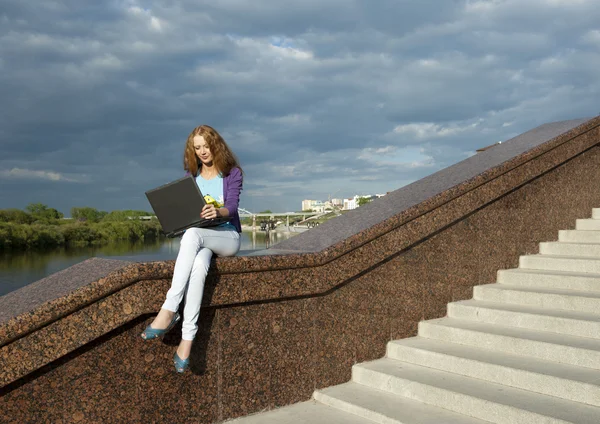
(177, 206)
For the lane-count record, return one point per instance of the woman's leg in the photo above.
(221, 241)
(189, 246)
(188, 249)
(194, 293)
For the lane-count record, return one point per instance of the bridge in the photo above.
(244, 213)
(306, 216)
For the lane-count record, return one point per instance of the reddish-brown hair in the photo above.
(223, 158)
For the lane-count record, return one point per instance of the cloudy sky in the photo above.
(318, 98)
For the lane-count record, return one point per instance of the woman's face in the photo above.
(202, 150)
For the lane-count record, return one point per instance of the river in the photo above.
(17, 269)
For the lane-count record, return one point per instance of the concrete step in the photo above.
(549, 279)
(481, 399)
(384, 407)
(534, 318)
(570, 300)
(562, 248)
(596, 213)
(587, 224)
(560, 263)
(579, 236)
(564, 349)
(545, 377)
(310, 412)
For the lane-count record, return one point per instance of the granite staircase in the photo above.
(524, 350)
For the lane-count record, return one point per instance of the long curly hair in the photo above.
(223, 158)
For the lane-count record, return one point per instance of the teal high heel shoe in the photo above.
(180, 364)
(152, 333)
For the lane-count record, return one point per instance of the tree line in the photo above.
(42, 227)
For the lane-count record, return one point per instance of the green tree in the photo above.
(15, 215)
(363, 200)
(267, 211)
(87, 214)
(80, 234)
(125, 215)
(41, 212)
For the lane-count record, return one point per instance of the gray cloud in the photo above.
(316, 97)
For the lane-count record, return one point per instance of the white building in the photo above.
(351, 203)
(319, 206)
(307, 205)
(345, 204)
(313, 205)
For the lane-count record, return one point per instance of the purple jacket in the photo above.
(232, 186)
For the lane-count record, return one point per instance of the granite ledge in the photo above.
(56, 285)
(322, 254)
(278, 259)
(444, 185)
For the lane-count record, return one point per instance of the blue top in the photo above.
(232, 186)
(214, 189)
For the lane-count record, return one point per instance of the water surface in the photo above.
(17, 269)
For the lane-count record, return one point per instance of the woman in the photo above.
(219, 175)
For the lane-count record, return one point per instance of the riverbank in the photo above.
(21, 267)
(60, 233)
(280, 229)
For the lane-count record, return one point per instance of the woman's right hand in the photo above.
(209, 212)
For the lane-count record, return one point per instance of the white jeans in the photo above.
(193, 260)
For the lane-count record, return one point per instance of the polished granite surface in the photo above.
(274, 327)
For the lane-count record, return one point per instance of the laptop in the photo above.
(177, 206)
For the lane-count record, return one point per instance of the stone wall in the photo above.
(275, 326)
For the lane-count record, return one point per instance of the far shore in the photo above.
(279, 229)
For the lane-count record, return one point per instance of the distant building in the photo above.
(307, 205)
(346, 204)
(318, 206)
(313, 205)
(351, 203)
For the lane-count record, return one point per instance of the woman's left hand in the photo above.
(209, 212)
